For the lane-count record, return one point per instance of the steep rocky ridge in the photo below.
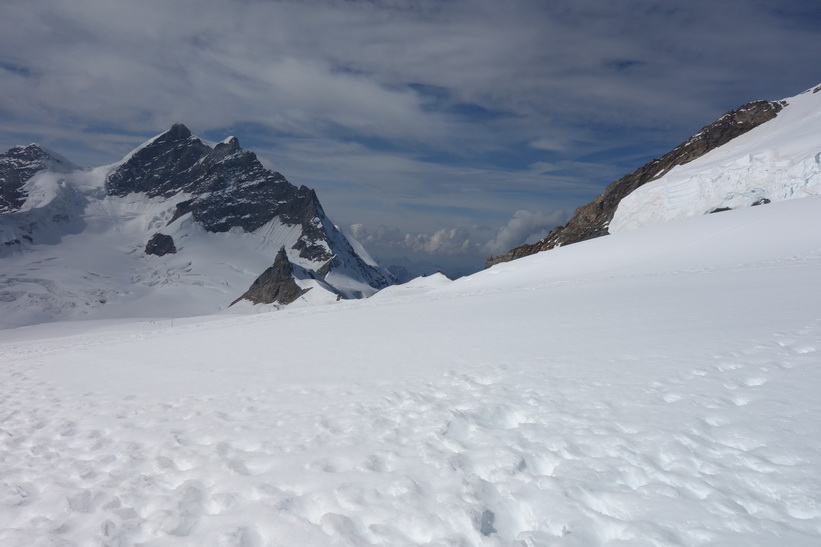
(591, 220)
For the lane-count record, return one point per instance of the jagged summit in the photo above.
(592, 220)
(160, 166)
(224, 187)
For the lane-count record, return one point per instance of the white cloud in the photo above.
(524, 225)
(552, 145)
(307, 66)
(462, 240)
(209, 64)
(447, 241)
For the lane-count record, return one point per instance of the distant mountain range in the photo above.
(760, 152)
(178, 226)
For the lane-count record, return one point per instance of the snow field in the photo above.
(661, 393)
(630, 448)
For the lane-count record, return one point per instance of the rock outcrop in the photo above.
(160, 245)
(591, 220)
(276, 285)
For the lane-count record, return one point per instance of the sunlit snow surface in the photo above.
(657, 387)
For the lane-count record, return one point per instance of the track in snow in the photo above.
(514, 453)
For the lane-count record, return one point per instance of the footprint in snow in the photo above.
(671, 397)
(241, 537)
(724, 367)
(755, 381)
(803, 349)
(190, 508)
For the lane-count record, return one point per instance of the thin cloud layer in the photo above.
(462, 240)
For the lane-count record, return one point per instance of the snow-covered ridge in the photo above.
(779, 160)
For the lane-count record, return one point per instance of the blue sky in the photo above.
(440, 130)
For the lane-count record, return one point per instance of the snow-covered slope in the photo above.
(415, 287)
(655, 387)
(778, 160)
(73, 242)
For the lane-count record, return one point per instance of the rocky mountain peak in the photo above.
(228, 186)
(158, 167)
(178, 131)
(591, 220)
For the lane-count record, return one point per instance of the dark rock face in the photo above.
(591, 220)
(160, 245)
(162, 168)
(17, 166)
(229, 187)
(401, 273)
(275, 285)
